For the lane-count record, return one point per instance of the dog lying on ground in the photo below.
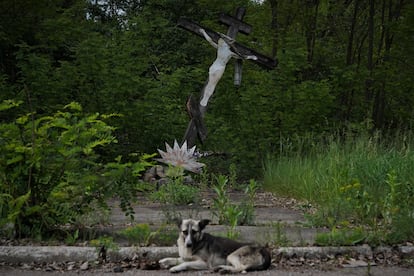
(201, 251)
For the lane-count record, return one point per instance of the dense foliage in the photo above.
(51, 172)
(342, 65)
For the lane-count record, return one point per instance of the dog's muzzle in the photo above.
(188, 242)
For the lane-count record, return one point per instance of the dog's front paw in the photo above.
(167, 262)
(175, 269)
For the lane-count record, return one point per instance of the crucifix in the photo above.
(227, 48)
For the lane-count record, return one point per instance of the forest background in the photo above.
(345, 68)
(342, 66)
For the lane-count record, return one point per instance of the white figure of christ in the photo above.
(224, 54)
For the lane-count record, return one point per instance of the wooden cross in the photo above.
(196, 127)
(236, 25)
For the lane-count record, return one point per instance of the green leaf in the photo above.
(22, 120)
(8, 104)
(74, 106)
(16, 205)
(14, 160)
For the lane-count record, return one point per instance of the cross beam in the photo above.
(235, 23)
(262, 60)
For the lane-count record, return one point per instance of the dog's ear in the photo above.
(178, 222)
(202, 224)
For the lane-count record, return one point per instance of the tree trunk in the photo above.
(274, 27)
(349, 49)
(347, 96)
(313, 6)
(369, 85)
(385, 42)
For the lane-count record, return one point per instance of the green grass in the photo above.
(368, 180)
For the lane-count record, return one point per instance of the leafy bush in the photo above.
(51, 172)
(176, 193)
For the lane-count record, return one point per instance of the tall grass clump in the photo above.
(364, 179)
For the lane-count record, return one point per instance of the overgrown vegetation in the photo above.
(142, 235)
(174, 191)
(365, 180)
(228, 212)
(52, 173)
(340, 64)
(129, 57)
(174, 194)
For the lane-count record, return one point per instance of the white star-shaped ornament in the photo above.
(180, 157)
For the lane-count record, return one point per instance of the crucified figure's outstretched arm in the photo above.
(224, 53)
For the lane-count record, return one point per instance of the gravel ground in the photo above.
(285, 261)
(302, 271)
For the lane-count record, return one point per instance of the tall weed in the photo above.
(363, 179)
(174, 194)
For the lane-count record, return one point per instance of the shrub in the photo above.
(51, 171)
(176, 193)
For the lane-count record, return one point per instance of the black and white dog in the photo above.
(201, 251)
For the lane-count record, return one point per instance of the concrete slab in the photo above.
(272, 223)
